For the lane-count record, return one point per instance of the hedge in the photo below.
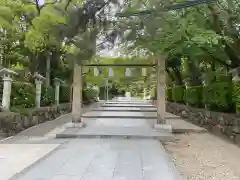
(168, 93)
(178, 93)
(89, 94)
(64, 94)
(22, 95)
(193, 96)
(236, 96)
(218, 96)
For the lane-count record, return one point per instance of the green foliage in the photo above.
(64, 94)
(22, 95)
(193, 96)
(236, 95)
(168, 93)
(90, 94)
(45, 31)
(47, 96)
(178, 93)
(218, 96)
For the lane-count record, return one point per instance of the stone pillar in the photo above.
(187, 84)
(7, 87)
(160, 120)
(38, 81)
(204, 86)
(107, 92)
(144, 93)
(48, 69)
(57, 83)
(77, 97)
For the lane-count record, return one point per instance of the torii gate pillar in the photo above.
(77, 97)
(160, 85)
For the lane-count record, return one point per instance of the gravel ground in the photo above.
(205, 157)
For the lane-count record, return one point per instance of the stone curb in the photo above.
(122, 110)
(120, 117)
(176, 130)
(135, 106)
(5, 139)
(165, 138)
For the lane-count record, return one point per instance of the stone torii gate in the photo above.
(160, 68)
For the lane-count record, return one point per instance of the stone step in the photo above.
(116, 132)
(127, 105)
(122, 117)
(126, 110)
(137, 103)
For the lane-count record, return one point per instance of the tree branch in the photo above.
(37, 6)
(218, 28)
(67, 5)
(215, 58)
(50, 3)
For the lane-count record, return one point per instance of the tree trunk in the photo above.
(169, 74)
(194, 73)
(48, 70)
(177, 76)
(77, 94)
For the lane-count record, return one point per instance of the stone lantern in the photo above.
(57, 83)
(7, 76)
(38, 81)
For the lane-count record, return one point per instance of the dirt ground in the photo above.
(205, 157)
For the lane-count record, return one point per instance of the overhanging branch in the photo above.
(185, 4)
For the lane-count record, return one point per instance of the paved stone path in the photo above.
(101, 159)
(126, 124)
(104, 159)
(16, 157)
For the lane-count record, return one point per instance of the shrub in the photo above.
(89, 94)
(236, 96)
(193, 96)
(47, 95)
(218, 96)
(178, 93)
(64, 94)
(168, 93)
(22, 95)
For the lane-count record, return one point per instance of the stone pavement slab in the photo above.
(116, 132)
(33, 140)
(110, 124)
(117, 114)
(104, 159)
(127, 105)
(126, 109)
(15, 157)
(119, 122)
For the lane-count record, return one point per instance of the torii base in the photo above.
(163, 127)
(75, 125)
